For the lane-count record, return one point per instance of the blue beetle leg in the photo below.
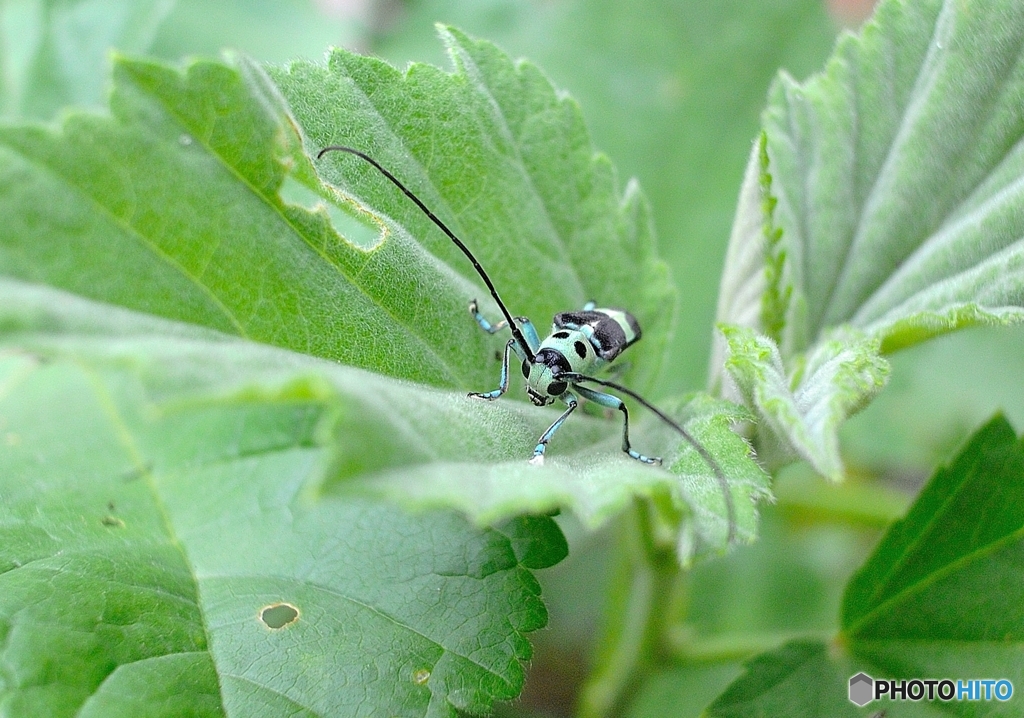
(614, 402)
(482, 320)
(503, 384)
(530, 333)
(542, 442)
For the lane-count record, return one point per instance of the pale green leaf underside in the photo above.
(899, 173)
(744, 280)
(899, 180)
(805, 410)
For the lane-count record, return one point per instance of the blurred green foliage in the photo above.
(268, 30)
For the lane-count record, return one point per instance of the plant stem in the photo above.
(852, 503)
(642, 627)
(638, 613)
(686, 650)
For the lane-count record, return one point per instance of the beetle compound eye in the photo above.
(526, 369)
(557, 388)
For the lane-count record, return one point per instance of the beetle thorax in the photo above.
(564, 351)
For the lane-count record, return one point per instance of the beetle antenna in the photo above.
(730, 507)
(516, 332)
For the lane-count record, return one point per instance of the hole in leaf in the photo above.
(358, 230)
(421, 676)
(279, 615)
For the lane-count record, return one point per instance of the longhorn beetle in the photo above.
(559, 367)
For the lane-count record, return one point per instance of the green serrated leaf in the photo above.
(672, 90)
(174, 210)
(917, 604)
(941, 597)
(536, 540)
(506, 162)
(230, 442)
(161, 210)
(803, 410)
(794, 680)
(596, 481)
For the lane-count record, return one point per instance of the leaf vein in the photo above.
(132, 231)
(932, 577)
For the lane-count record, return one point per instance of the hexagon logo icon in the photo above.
(861, 689)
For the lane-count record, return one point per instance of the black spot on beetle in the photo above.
(557, 388)
(526, 369)
(560, 335)
(581, 349)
